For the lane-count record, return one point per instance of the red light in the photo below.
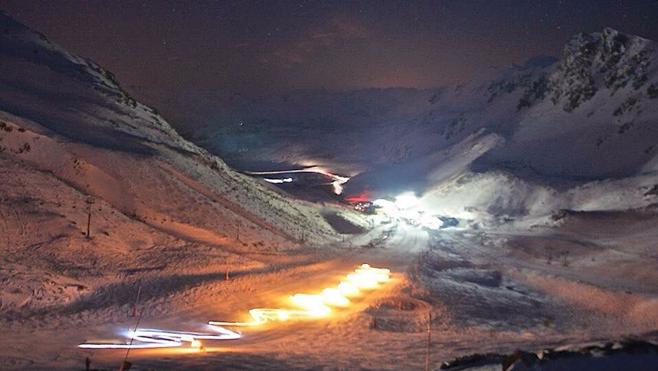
(361, 197)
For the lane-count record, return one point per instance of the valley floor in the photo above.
(591, 278)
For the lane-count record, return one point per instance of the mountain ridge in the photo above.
(599, 70)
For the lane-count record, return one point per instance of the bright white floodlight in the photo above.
(406, 200)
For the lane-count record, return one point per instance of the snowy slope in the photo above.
(70, 136)
(583, 135)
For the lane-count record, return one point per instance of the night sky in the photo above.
(254, 46)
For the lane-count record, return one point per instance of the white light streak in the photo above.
(337, 180)
(154, 338)
(278, 181)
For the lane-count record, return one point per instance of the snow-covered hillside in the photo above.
(584, 121)
(73, 143)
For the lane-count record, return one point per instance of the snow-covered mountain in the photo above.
(550, 124)
(589, 116)
(73, 144)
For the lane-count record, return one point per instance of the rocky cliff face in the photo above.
(607, 60)
(604, 60)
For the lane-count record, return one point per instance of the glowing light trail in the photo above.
(278, 181)
(337, 180)
(307, 306)
(364, 277)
